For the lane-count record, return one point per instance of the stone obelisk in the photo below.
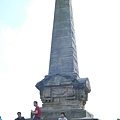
(62, 90)
(63, 58)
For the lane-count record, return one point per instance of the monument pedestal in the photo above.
(73, 119)
(64, 93)
(71, 114)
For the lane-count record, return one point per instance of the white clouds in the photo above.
(9, 34)
(23, 57)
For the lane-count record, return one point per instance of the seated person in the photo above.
(19, 116)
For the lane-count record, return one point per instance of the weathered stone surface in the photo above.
(71, 114)
(63, 57)
(62, 90)
(71, 118)
(55, 118)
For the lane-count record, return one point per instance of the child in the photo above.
(62, 116)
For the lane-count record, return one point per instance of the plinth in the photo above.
(71, 114)
(63, 93)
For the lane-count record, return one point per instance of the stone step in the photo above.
(81, 119)
(74, 119)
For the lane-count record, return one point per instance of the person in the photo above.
(36, 112)
(19, 116)
(62, 116)
(0, 118)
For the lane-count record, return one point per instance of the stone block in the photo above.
(73, 119)
(71, 114)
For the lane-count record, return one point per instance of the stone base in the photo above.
(85, 119)
(72, 119)
(71, 114)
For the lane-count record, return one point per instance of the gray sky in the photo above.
(25, 40)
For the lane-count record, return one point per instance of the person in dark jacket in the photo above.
(19, 116)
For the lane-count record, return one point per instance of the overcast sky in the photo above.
(25, 40)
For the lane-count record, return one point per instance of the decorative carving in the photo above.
(62, 91)
(68, 89)
(58, 92)
(46, 92)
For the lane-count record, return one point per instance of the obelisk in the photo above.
(62, 90)
(63, 57)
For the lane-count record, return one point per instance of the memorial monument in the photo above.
(62, 90)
